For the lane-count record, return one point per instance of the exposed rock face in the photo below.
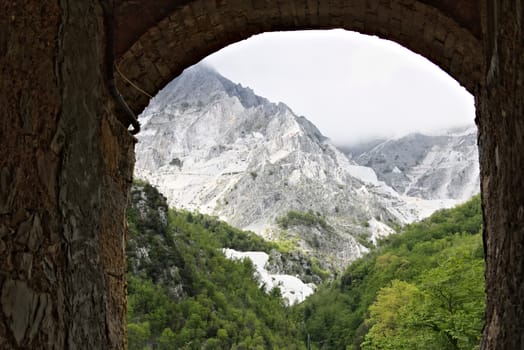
(149, 236)
(292, 288)
(214, 146)
(297, 264)
(429, 167)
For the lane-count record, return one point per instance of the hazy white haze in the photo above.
(353, 87)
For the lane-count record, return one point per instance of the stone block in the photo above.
(24, 309)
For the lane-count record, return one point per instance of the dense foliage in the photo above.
(298, 218)
(421, 289)
(184, 294)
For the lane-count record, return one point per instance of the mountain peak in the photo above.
(441, 166)
(200, 85)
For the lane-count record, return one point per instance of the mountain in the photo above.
(214, 146)
(427, 166)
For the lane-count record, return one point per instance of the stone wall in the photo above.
(65, 168)
(500, 117)
(200, 27)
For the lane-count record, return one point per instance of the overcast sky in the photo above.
(351, 86)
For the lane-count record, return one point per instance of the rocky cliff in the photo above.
(214, 146)
(442, 166)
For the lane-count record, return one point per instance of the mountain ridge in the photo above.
(214, 146)
(427, 166)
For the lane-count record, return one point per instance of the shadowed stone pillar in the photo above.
(65, 169)
(501, 144)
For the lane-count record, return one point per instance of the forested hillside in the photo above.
(184, 293)
(420, 289)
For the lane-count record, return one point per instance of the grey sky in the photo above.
(351, 86)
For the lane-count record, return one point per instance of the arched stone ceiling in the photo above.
(158, 39)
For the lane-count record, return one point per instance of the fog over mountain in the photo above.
(353, 87)
(214, 146)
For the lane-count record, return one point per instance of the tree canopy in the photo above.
(422, 288)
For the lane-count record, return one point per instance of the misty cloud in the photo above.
(353, 87)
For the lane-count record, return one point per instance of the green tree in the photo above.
(337, 315)
(454, 303)
(388, 318)
(184, 294)
(443, 312)
(138, 335)
(167, 340)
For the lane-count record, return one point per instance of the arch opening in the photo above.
(193, 31)
(328, 135)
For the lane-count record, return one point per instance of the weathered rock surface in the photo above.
(292, 288)
(150, 251)
(431, 167)
(214, 146)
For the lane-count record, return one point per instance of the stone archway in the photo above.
(445, 33)
(66, 161)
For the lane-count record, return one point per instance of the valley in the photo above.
(231, 184)
(422, 287)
